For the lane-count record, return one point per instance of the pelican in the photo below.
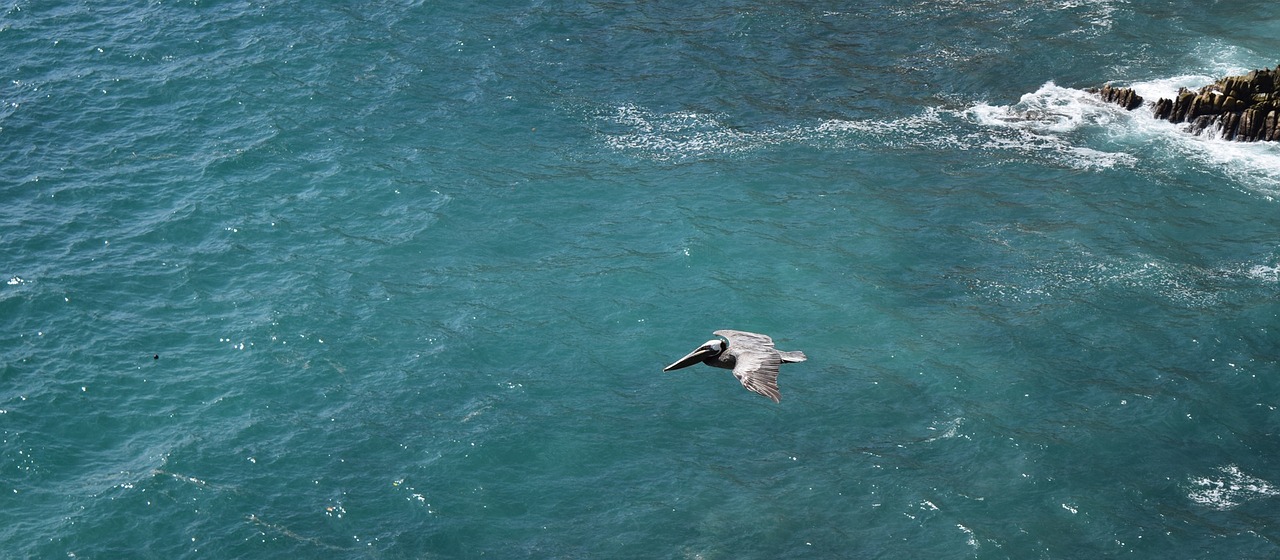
(751, 356)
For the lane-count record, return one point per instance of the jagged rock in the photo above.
(1244, 108)
(1124, 97)
(1200, 123)
(1229, 124)
(1163, 109)
(1250, 126)
(1239, 107)
(1181, 106)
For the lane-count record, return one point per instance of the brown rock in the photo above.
(1163, 108)
(1245, 127)
(1244, 108)
(1200, 123)
(1124, 97)
(1182, 106)
(1229, 122)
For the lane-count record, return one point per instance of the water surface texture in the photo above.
(398, 280)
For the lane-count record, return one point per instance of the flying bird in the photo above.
(751, 356)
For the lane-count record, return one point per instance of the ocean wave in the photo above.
(1253, 164)
(1229, 488)
(1066, 279)
(1093, 16)
(1075, 273)
(1056, 125)
(681, 135)
(1025, 133)
(1059, 115)
(1052, 109)
(1265, 273)
(1051, 121)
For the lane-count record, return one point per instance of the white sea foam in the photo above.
(1222, 57)
(1265, 273)
(1167, 88)
(1048, 123)
(682, 134)
(1050, 109)
(687, 135)
(1065, 120)
(1229, 488)
(947, 430)
(1054, 124)
(970, 538)
(1255, 165)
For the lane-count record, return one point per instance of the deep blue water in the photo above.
(291, 280)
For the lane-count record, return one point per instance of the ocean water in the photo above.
(398, 280)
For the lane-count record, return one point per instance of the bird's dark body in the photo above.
(725, 361)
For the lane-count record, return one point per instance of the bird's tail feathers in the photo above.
(792, 357)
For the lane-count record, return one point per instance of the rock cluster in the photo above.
(1244, 108)
(1124, 97)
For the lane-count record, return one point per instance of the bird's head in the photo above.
(708, 350)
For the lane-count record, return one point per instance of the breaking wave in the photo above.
(684, 135)
(1054, 125)
(1229, 488)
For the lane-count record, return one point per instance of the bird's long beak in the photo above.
(694, 357)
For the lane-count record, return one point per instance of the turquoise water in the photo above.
(298, 280)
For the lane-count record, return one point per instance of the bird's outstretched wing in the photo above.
(758, 372)
(757, 362)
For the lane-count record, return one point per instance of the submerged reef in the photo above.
(1244, 108)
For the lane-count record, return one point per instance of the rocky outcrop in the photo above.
(1244, 108)
(1124, 97)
